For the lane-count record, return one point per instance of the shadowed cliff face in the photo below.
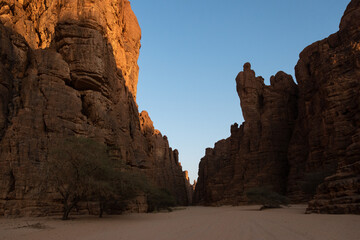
(73, 83)
(256, 152)
(329, 77)
(294, 137)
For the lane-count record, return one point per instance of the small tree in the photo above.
(77, 168)
(266, 197)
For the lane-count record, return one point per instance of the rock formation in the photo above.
(70, 68)
(333, 64)
(256, 152)
(189, 187)
(299, 137)
(36, 22)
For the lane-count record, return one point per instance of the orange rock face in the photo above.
(69, 68)
(36, 22)
(296, 136)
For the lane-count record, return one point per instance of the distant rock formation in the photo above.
(256, 152)
(294, 137)
(189, 187)
(70, 68)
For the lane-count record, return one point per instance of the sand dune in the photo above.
(198, 223)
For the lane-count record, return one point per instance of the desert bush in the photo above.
(159, 198)
(266, 197)
(125, 186)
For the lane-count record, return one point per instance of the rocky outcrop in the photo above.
(333, 64)
(69, 68)
(314, 138)
(256, 152)
(328, 77)
(165, 167)
(36, 21)
(189, 187)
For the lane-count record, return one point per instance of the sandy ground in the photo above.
(243, 223)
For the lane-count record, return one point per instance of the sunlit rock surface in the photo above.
(70, 68)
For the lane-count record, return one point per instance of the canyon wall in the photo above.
(332, 68)
(296, 137)
(69, 68)
(256, 152)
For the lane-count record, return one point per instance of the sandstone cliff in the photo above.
(294, 144)
(36, 22)
(334, 65)
(69, 67)
(256, 152)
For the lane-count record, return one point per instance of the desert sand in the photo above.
(189, 223)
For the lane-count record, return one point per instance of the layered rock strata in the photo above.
(320, 144)
(69, 68)
(256, 152)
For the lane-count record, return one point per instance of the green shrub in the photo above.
(127, 185)
(158, 199)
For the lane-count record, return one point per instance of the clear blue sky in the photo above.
(192, 51)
